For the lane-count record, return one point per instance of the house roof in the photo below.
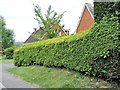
(40, 32)
(31, 38)
(57, 26)
(90, 8)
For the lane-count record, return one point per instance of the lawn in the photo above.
(3, 60)
(58, 78)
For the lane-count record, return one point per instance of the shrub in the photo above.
(9, 52)
(94, 52)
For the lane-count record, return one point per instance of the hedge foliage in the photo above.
(106, 8)
(95, 52)
(9, 52)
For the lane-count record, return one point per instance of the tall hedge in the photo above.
(94, 53)
(102, 9)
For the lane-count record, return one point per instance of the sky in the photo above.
(19, 14)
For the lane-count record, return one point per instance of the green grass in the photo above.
(58, 78)
(3, 60)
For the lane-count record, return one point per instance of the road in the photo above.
(8, 80)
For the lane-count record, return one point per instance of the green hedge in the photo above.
(9, 52)
(102, 9)
(95, 52)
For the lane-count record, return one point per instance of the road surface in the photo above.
(8, 80)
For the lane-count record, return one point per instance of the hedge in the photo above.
(106, 8)
(95, 52)
(9, 52)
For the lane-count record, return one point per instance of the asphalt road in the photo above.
(8, 80)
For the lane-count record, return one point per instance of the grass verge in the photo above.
(58, 78)
(3, 60)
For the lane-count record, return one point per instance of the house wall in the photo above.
(56, 26)
(86, 21)
(62, 32)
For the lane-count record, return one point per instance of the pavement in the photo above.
(8, 80)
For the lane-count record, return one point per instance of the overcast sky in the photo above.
(19, 14)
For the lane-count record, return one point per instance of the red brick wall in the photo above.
(86, 21)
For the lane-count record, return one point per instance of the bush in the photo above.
(95, 52)
(9, 52)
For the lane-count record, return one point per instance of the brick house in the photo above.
(86, 20)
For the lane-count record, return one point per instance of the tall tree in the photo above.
(6, 35)
(1, 33)
(47, 20)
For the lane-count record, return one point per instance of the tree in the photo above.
(6, 35)
(0, 35)
(47, 21)
(2, 23)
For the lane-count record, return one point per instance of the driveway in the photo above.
(8, 80)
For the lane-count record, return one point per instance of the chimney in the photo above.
(35, 29)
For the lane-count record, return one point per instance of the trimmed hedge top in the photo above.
(95, 52)
(53, 40)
